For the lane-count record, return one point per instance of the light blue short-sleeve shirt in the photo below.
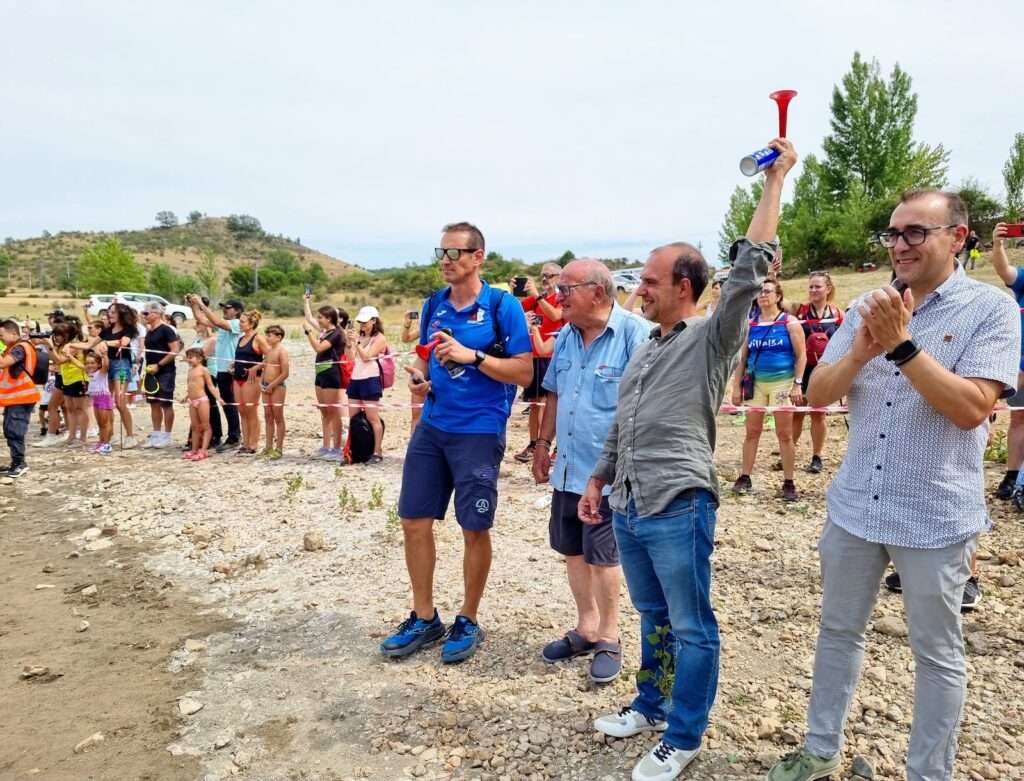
(586, 380)
(227, 341)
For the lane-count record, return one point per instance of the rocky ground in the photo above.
(277, 580)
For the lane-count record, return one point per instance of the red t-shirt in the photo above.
(548, 327)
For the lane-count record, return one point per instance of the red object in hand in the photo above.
(423, 350)
(782, 97)
(1015, 230)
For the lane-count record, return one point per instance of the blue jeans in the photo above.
(666, 559)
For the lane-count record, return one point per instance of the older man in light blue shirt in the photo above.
(582, 384)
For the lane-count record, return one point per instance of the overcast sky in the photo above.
(363, 127)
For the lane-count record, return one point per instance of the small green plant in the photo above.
(996, 450)
(376, 497)
(664, 651)
(393, 522)
(347, 502)
(292, 484)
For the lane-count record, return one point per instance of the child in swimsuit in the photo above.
(272, 384)
(198, 383)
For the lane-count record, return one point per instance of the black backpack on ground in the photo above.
(359, 446)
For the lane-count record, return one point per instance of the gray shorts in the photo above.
(571, 537)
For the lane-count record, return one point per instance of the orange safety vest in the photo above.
(20, 389)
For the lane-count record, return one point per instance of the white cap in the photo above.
(367, 313)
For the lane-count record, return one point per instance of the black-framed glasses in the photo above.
(453, 253)
(566, 290)
(914, 236)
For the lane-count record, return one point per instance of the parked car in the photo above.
(626, 280)
(98, 304)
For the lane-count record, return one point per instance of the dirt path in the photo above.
(288, 574)
(105, 654)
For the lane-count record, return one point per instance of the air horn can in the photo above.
(763, 158)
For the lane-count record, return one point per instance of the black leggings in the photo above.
(226, 386)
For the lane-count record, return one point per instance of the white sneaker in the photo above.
(93, 432)
(130, 442)
(49, 440)
(163, 439)
(626, 723)
(663, 763)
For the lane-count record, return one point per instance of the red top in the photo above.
(548, 327)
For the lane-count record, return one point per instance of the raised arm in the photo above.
(310, 320)
(751, 257)
(1000, 261)
(209, 315)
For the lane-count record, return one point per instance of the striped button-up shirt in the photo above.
(911, 477)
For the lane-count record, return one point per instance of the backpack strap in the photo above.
(497, 296)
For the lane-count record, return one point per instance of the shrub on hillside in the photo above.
(285, 306)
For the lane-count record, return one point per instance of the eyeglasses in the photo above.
(914, 235)
(549, 275)
(453, 253)
(566, 290)
(820, 273)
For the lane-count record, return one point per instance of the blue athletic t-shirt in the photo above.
(472, 403)
(770, 352)
(1018, 293)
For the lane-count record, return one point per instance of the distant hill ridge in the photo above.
(178, 247)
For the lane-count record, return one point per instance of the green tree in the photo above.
(242, 280)
(244, 226)
(1013, 178)
(194, 217)
(207, 273)
(314, 275)
(565, 258)
(983, 209)
(742, 203)
(166, 219)
(106, 266)
(872, 140)
(161, 280)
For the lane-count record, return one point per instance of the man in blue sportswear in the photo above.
(482, 352)
(659, 460)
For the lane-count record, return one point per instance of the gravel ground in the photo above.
(305, 561)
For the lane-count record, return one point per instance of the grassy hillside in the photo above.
(22, 302)
(178, 247)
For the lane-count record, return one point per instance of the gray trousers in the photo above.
(933, 585)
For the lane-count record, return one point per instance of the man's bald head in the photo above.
(589, 270)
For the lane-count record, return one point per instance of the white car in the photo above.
(98, 304)
(626, 280)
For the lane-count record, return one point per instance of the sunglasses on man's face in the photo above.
(452, 253)
(548, 276)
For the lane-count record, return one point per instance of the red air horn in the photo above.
(763, 158)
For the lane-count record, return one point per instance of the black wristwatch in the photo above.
(480, 356)
(903, 352)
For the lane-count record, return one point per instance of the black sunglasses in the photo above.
(453, 253)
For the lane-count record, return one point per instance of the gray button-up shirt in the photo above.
(663, 438)
(910, 477)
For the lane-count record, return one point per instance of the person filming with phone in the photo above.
(544, 316)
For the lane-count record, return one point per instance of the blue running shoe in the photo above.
(463, 639)
(413, 634)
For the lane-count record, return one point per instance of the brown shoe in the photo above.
(525, 456)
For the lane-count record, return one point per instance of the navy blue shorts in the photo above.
(436, 463)
(369, 389)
